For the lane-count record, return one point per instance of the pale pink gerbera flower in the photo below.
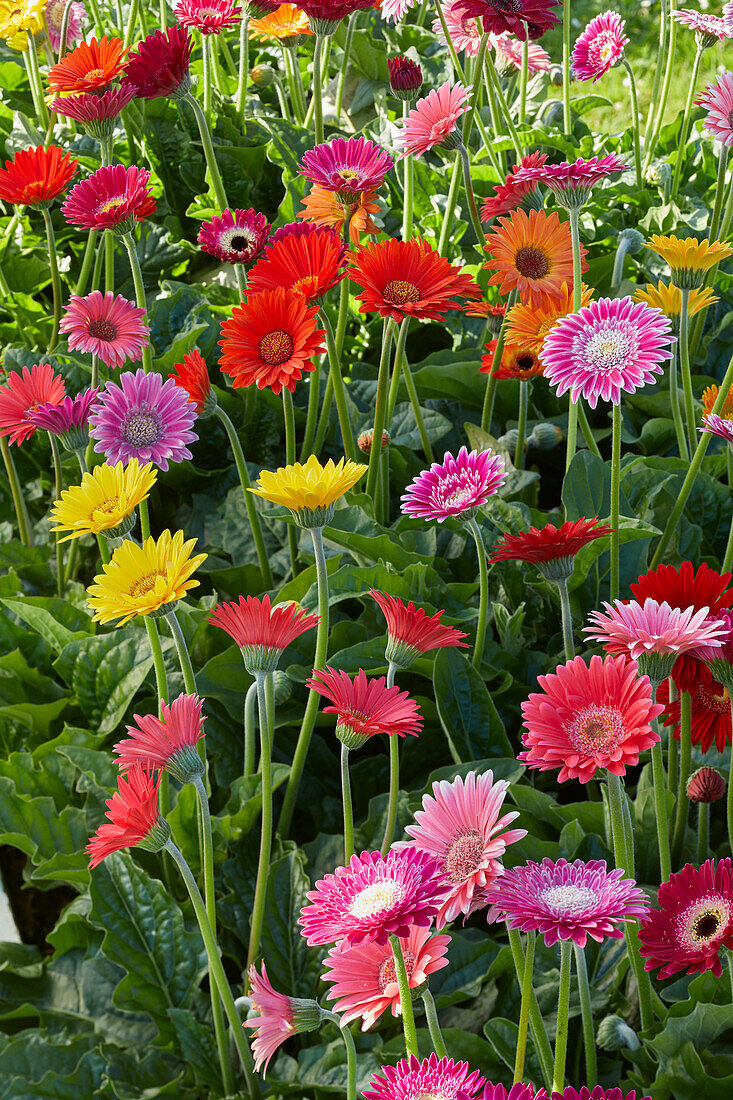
(588, 717)
(396, 10)
(567, 901)
(608, 347)
(365, 983)
(464, 31)
(461, 826)
(278, 1017)
(454, 487)
(109, 327)
(207, 16)
(509, 53)
(54, 13)
(374, 897)
(717, 99)
(432, 121)
(431, 1079)
(600, 47)
(572, 183)
(710, 29)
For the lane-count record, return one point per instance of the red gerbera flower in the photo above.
(192, 375)
(308, 261)
(91, 65)
(168, 742)
(160, 64)
(113, 197)
(408, 278)
(366, 707)
(412, 632)
(35, 177)
(133, 816)
(552, 549)
(270, 340)
(523, 18)
(512, 193)
(711, 720)
(262, 632)
(24, 393)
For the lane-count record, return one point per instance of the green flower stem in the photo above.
(703, 831)
(408, 1016)
(586, 1011)
(658, 68)
(566, 38)
(131, 23)
(521, 1054)
(660, 805)
(206, 65)
(184, 657)
(21, 509)
(311, 419)
(347, 805)
(323, 418)
(493, 78)
(163, 15)
(290, 62)
(282, 98)
(137, 277)
(250, 701)
(249, 500)
(97, 272)
(680, 821)
(468, 118)
(521, 424)
(216, 969)
(394, 777)
(34, 79)
(415, 403)
(685, 127)
(472, 208)
(563, 1011)
(209, 154)
(317, 99)
(397, 368)
(144, 520)
(567, 620)
(311, 709)
(161, 680)
(241, 101)
(651, 145)
(263, 867)
(339, 390)
(350, 1062)
(685, 366)
(728, 558)
(289, 416)
(53, 264)
(483, 608)
(380, 409)
(615, 497)
(409, 191)
(58, 486)
(350, 28)
(86, 263)
(719, 193)
(451, 48)
(674, 400)
(64, 32)
(450, 206)
(431, 1017)
(523, 78)
(673, 772)
(635, 123)
(729, 953)
(488, 408)
(574, 216)
(536, 1023)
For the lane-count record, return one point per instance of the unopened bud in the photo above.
(262, 75)
(545, 437)
(282, 686)
(366, 441)
(632, 240)
(405, 78)
(615, 1034)
(705, 785)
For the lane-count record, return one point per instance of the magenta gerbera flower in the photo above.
(567, 901)
(207, 16)
(432, 121)
(365, 707)
(374, 897)
(278, 1017)
(109, 327)
(519, 1091)
(455, 487)
(718, 425)
(235, 238)
(144, 418)
(396, 10)
(96, 113)
(524, 18)
(68, 420)
(609, 347)
(160, 64)
(113, 197)
(710, 29)
(462, 826)
(347, 167)
(571, 184)
(597, 1093)
(405, 77)
(600, 46)
(694, 920)
(435, 1079)
(717, 99)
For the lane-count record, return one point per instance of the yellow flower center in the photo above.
(105, 508)
(145, 584)
(306, 286)
(111, 204)
(276, 347)
(399, 291)
(94, 74)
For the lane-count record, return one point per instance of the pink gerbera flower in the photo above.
(235, 238)
(588, 717)
(133, 818)
(278, 1017)
(366, 707)
(374, 897)
(571, 184)
(710, 29)
(717, 99)
(455, 487)
(609, 347)
(67, 420)
(511, 194)
(411, 632)
(693, 923)
(109, 327)
(113, 197)
(396, 10)
(160, 65)
(168, 742)
(597, 1093)
(516, 1092)
(461, 826)
(365, 983)
(435, 1079)
(95, 112)
(718, 425)
(54, 15)
(347, 167)
(207, 16)
(432, 121)
(600, 47)
(464, 31)
(509, 54)
(144, 418)
(261, 631)
(567, 901)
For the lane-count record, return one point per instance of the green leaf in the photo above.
(291, 964)
(54, 841)
(586, 488)
(467, 713)
(57, 621)
(198, 1048)
(105, 672)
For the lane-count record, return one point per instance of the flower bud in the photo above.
(615, 1034)
(508, 441)
(366, 440)
(545, 437)
(405, 78)
(282, 685)
(632, 241)
(262, 75)
(705, 785)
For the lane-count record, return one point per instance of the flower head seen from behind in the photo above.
(325, 15)
(235, 237)
(91, 66)
(67, 420)
(600, 47)
(706, 785)
(192, 376)
(717, 100)
(433, 120)
(689, 259)
(105, 325)
(365, 707)
(709, 29)
(96, 113)
(21, 393)
(167, 743)
(668, 298)
(552, 549)
(133, 818)
(261, 631)
(455, 487)
(347, 167)
(412, 632)
(589, 716)
(278, 1017)
(35, 177)
(572, 182)
(207, 16)
(718, 425)
(144, 417)
(159, 66)
(309, 489)
(308, 261)
(105, 501)
(113, 197)
(411, 1079)
(532, 254)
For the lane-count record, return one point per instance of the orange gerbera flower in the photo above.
(306, 259)
(287, 22)
(402, 278)
(270, 340)
(23, 393)
(516, 363)
(91, 65)
(532, 254)
(321, 207)
(710, 396)
(527, 325)
(36, 176)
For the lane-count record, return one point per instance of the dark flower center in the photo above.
(524, 364)
(276, 348)
(707, 925)
(240, 243)
(531, 262)
(398, 291)
(102, 329)
(465, 853)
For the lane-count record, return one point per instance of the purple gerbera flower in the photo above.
(347, 167)
(236, 238)
(567, 901)
(144, 418)
(68, 420)
(455, 487)
(571, 184)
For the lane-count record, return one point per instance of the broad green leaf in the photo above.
(291, 964)
(57, 621)
(54, 841)
(467, 713)
(105, 673)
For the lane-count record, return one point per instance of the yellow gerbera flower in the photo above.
(668, 298)
(140, 580)
(106, 498)
(710, 396)
(19, 17)
(311, 490)
(689, 258)
(528, 326)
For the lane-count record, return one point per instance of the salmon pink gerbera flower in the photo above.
(693, 923)
(133, 818)
(711, 718)
(709, 29)
(88, 67)
(261, 631)
(308, 261)
(509, 52)
(432, 121)
(54, 13)
(552, 549)
(588, 717)
(35, 177)
(465, 33)
(207, 16)
(531, 253)
(717, 100)
(169, 742)
(600, 47)
(511, 194)
(412, 632)
(107, 326)
(160, 65)
(235, 237)
(455, 487)
(278, 1017)
(144, 417)
(347, 167)
(21, 394)
(365, 707)
(437, 1079)
(113, 197)
(192, 376)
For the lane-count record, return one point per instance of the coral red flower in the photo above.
(552, 549)
(270, 340)
(366, 707)
(693, 923)
(160, 64)
(432, 121)
(261, 631)
(192, 375)
(412, 632)
(711, 721)
(89, 66)
(309, 261)
(408, 278)
(431, 1079)
(113, 197)
(517, 364)
(35, 177)
(168, 742)
(278, 1017)
(512, 193)
(23, 393)
(133, 818)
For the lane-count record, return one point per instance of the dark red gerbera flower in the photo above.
(160, 64)
(710, 710)
(523, 18)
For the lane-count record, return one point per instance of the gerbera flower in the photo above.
(107, 326)
(325, 15)
(516, 363)
(67, 419)
(374, 897)
(140, 580)
(105, 502)
(235, 238)
(711, 721)
(278, 1017)
(516, 1092)
(89, 66)
(23, 393)
(113, 197)
(321, 207)
(270, 340)
(441, 1079)
(527, 327)
(600, 47)
(432, 121)
(709, 29)
(286, 24)
(588, 717)
(160, 65)
(524, 18)
(689, 259)
(464, 31)
(509, 54)
(552, 549)
(571, 184)
(460, 825)
(365, 706)
(511, 194)
(718, 425)
(145, 417)
(455, 487)
(18, 20)
(168, 743)
(408, 278)
(668, 298)
(261, 631)
(597, 1093)
(35, 177)
(54, 14)
(607, 348)
(192, 376)
(207, 16)
(309, 490)
(307, 263)
(96, 113)
(693, 923)
(706, 785)
(413, 633)
(405, 78)
(710, 396)
(493, 314)
(717, 99)
(532, 253)
(133, 818)
(347, 167)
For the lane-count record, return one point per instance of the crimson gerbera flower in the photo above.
(90, 65)
(113, 197)
(23, 393)
(235, 237)
(365, 707)
(133, 818)
(307, 263)
(711, 720)
(408, 278)
(513, 192)
(584, 1093)
(412, 632)
(261, 631)
(552, 549)
(325, 15)
(693, 922)
(160, 64)
(411, 1079)
(35, 177)
(192, 375)
(523, 18)
(168, 742)
(270, 340)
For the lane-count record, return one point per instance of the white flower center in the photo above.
(610, 347)
(568, 900)
(376, 898)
